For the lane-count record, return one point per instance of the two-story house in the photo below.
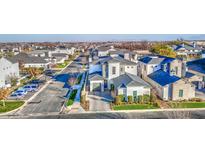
(167, 76)
(8, 69)
(119, 75)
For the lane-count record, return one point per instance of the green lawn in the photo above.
(70, 102)
(63, 65)
(134, 107)
(188, 105)
(72, 97)
(10, 105)
(79, 78)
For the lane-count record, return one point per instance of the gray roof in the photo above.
(186, 46)
(129, 80)
(25, 58)
(117, 59)
(95, 77)
(152, 60)
(103, 48)
(59, 54)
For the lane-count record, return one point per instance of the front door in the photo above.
(135, 96)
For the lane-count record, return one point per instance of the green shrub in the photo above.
(146, 99)
(122, 98)
(140, 99)
(117, 100)
(130, 100)
(73, 94)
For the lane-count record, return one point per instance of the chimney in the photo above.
(127, 56)
(194, 44)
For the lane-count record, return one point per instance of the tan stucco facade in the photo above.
(187, 87)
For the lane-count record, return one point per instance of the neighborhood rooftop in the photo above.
(25, 58)
(163, 78)
(129, 80)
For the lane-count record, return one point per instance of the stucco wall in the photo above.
(110, 75)
(188, 90)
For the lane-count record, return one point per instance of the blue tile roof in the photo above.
(163, 78)
(197, 65)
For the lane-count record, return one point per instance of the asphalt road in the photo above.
(51, 99)
(196, 114)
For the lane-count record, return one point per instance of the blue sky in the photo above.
(96, 37)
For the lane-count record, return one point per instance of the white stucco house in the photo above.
(117, 74)
(8, 68)
(30, 61)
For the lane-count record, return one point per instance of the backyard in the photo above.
(10, 105)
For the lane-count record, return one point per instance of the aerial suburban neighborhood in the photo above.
(106, 79)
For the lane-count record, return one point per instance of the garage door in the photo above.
(96, 86)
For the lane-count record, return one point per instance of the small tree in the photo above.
(153, 99)
(13, 80)
(72, 81)
(146, 99)
(3, 95)
(117, 100)
(130, 100)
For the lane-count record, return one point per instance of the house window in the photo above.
(180, 93)
(132, 67)
(176, 70)
(144, 68)
(128, 67)
(113, 70)
(121, 69)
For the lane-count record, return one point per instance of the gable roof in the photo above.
(186, 46)
(117, 59)
(25, 58)
(129, 80)
(95, 76)
(163, 78)
(197, 65)
(156, 59)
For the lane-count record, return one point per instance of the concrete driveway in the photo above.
(99, 101)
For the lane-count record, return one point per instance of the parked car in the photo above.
(21, 91)
(49, 72)
(17, 95)
(31, 87)
(36, 81)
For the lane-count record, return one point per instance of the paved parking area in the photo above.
(51, 99)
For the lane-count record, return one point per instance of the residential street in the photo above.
(51, 99)
(179, 114)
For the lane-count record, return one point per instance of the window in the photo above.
(132, 67)
(180, 93)
(176, 70)
(113, 70)
(121, 69)
(144, 68)
(128, 67)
